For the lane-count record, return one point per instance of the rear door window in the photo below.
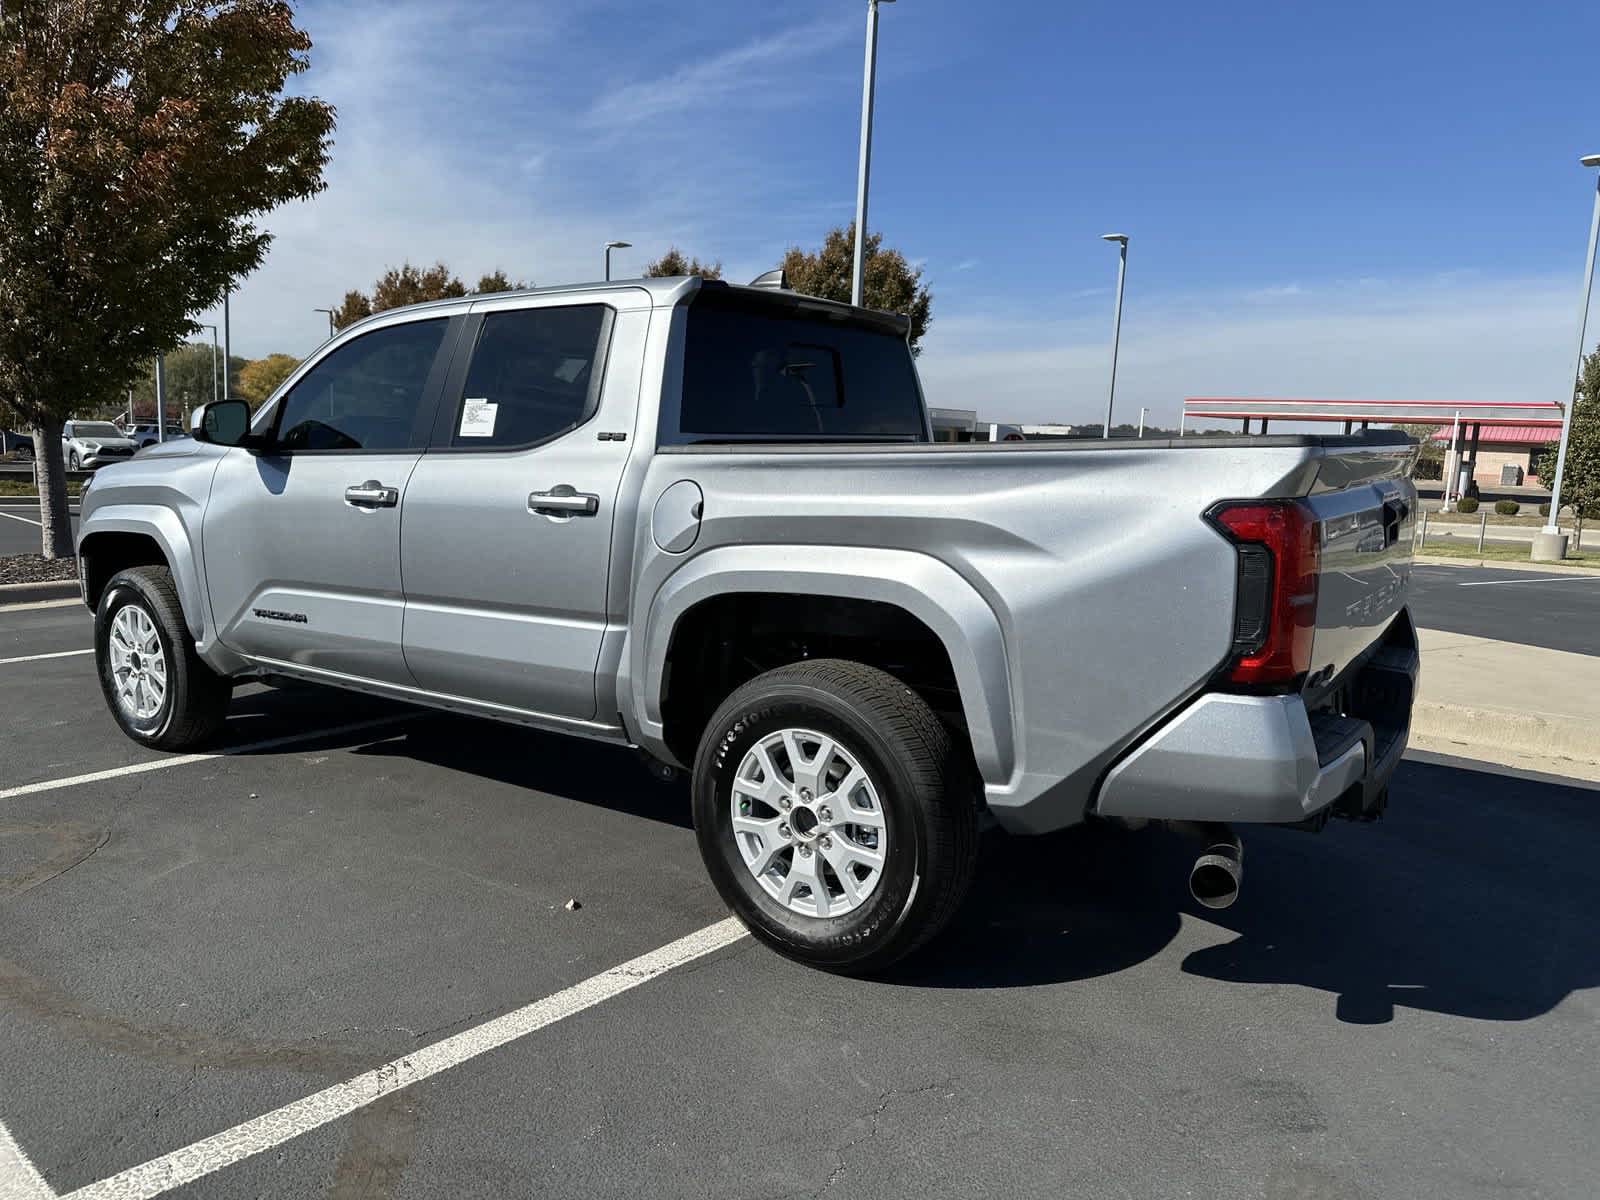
(535, 374)
(776, 373)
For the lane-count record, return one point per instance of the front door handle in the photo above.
(564, 500)
(372, 494)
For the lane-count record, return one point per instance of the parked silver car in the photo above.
(710, 522)
(88, 445)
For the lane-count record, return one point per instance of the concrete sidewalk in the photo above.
(1521, 706)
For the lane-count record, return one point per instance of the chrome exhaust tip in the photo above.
(1214, 879)
(1216, 875)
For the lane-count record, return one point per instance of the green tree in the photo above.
(260, 377)
(188, 380)
(1580, 482)
(889, 283)
(674, 263)
(407, 284)
(1430, 454)
(498, 281)
(139, 141)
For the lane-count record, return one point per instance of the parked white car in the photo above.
(145, 434)
(87, 445)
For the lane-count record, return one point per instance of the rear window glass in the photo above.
(751, 374)
(533, 376)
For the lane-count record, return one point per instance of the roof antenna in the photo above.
(775, 279)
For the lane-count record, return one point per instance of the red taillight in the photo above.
(1279, 544)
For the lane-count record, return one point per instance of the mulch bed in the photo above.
(35, 568)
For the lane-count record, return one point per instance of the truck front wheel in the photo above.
(157, 688)
(834, 814)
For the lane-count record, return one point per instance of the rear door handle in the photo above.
(564, 500)
(372, 494)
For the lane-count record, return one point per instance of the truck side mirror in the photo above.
(222, 423)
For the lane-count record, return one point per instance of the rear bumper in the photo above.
(1266, 759)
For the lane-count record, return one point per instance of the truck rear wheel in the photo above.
(834, 814)
(157, 688)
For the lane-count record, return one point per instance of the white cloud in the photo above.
(467, 133)
(753, 73)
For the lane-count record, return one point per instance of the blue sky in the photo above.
(1361, 200)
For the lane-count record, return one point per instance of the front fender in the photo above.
(922, 586)
(166, 529)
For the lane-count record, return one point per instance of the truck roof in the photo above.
(666, 291)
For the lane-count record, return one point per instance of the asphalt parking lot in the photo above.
(19, 528)
(1403, 1009)
(1532, 608)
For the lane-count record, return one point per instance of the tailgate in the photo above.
(1366, 507)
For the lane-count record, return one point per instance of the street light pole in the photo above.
(227, 344)
(869, 73)
(329, 311)
(610, 246)
(1554, 524)
(161, 396)
(1116, 325)
(214, 385)
(1142, 412)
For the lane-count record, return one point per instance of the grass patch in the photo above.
(1529, 516)
(1501, 552)
(24, 487)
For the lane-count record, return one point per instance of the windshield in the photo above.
(99, 429)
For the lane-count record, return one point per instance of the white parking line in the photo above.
(281, 1125)
(24, 520)
(35, 604)
(178, 760)
(1536, 579)
(19, 1178)
(6, 662)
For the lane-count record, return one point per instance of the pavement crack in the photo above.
(873, 1116)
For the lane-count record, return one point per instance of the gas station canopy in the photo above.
(1365, 412)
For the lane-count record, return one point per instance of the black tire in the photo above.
(196, 700)
(72, 461)
(927, 792)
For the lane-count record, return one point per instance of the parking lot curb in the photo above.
(1495, 734)
(1496, 564)
(28, 593)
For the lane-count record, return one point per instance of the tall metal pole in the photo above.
(1142, 412)
(227, 343)
(864, 164)
(1554, 525)
(215, 387)
(1450, 463)
(161, 398)
(614, 244)
(1116, 332)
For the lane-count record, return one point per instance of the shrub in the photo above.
(1467, 504)
(1507, 508)
(1544, 509)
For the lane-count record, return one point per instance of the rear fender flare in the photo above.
(923, 586)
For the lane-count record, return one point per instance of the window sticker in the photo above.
(477, 418)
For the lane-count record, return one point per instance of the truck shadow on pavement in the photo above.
(566, 767)
(1474, 897)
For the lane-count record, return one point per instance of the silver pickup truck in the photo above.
(711, 522)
